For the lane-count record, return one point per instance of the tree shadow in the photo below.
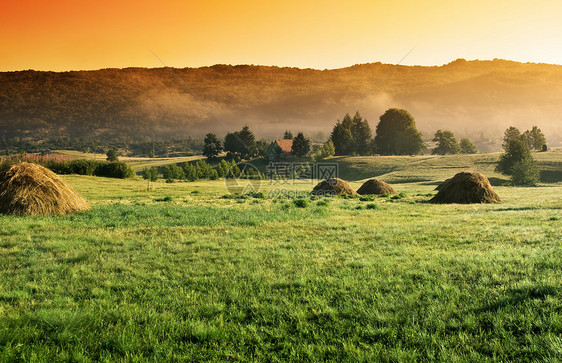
(551, 176)
(496, 182)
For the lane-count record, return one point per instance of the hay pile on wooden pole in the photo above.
(375, 186)
(30, 189)
(466, 187)
(333, 186)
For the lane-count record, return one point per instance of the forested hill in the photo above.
(478, 99)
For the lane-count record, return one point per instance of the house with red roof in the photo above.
(279, 149)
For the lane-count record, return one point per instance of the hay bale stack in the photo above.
(333, 186)
(466, 187)
(374, 186)
(30, 189)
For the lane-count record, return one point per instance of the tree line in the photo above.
(396, 134)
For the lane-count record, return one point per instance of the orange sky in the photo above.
(82, 34)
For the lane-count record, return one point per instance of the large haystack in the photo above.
(34, 190)
(374, 186)
(466, 187)
(334, 186)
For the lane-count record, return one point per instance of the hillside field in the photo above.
(186, 272)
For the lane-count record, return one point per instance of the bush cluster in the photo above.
(106, 169)
(202, 170)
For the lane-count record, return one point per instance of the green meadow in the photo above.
(187, 272)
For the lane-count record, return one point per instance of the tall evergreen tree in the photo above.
(112, 154)
(341, 136)
(510, 133)
(212, 146)
(241, 143)
(288, 135)
(248, 143)
(362, 135)
(301, 145)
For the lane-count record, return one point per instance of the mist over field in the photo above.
(476, 99)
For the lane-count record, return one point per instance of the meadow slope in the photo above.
(188, 272)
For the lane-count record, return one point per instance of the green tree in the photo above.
(203, 169)
(341, 136)
(190, 172)
(112, 155)
(446, 143)
(301, 145)
(241, 143)
(150, 175)
(535, 138)
(511, 133)
(261, 148)
(397, 134)
(362, 135)
(525, 172)
(324, 151)
(248, 143)
(516, 150)
(173, 171)
(288, 135)
(212, 146)
(467, 146)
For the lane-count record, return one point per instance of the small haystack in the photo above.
(34, 190)
(333, 186)
(466, 187)
(374, 186)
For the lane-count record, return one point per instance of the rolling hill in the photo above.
(478, 99)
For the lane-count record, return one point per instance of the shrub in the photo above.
(83, 167)
(61, 168)
(258, 195)
(322, 203)
(167, 198)
(301, 203)
(116, 169)
(372, 206)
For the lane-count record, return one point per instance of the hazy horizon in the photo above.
(279, 66)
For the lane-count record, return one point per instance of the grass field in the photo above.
(186, 273)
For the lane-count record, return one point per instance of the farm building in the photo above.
(279, 149)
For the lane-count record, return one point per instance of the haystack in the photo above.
(34, 190)
(466, 187)
(333, 186)
(374, 186)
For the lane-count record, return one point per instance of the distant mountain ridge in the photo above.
(478, 99)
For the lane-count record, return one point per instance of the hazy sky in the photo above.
(83, 34)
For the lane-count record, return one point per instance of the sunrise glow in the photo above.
(68, 35)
